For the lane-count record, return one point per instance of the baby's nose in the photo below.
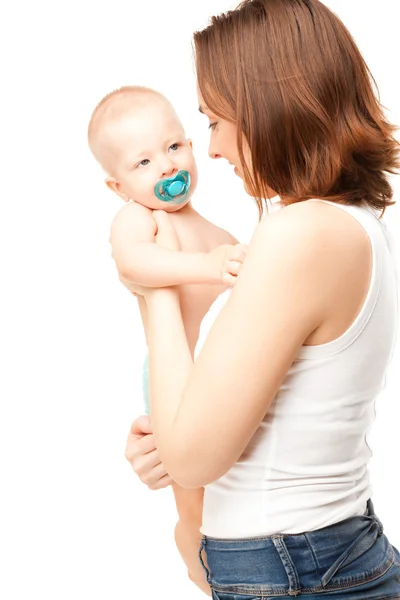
(169, 171)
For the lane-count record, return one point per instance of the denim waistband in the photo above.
(296, 562)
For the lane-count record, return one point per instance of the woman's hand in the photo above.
(142, 453)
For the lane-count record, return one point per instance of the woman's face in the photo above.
(223, 143)
(223, 140)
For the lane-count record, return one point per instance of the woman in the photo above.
(272, 417)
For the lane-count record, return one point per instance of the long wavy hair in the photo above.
(290, 76)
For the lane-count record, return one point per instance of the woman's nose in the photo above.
(212, 153)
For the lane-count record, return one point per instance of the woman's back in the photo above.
(306, 466)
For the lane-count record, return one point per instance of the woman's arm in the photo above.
(204, 415)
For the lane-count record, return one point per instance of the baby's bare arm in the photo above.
(187, 539)
(189, 503)
(139, 260)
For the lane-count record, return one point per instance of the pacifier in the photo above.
(173, 189)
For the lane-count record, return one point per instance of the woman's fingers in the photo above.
(145, 461)
(141, 425)
(150, 471)
(152, 478)
(162, 483)
(141, 452)
(138, 446)
(144, 465)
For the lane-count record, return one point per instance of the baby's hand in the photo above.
(228, 260)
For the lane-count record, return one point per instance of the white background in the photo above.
(75, 520)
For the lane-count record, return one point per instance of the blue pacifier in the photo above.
(173, 189)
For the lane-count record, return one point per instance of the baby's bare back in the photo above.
(196, 234)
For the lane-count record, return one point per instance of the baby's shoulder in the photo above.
(132, 210)
(133, 217)
(133, 213)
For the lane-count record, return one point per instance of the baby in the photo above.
(137, 138)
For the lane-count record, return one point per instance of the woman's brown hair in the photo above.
(290, 75)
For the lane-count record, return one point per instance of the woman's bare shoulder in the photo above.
(329, 251)
(315, 222)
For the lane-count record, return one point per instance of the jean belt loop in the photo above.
(288, 565)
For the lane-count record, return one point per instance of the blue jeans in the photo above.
(350, 560)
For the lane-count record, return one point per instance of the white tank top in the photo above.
(306, 466)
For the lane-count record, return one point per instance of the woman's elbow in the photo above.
(191, 475)
(128, 271)
(182, 475)
(197, 465)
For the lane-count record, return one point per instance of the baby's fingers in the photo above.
(234, 267)
(228, 279)
(238, 252)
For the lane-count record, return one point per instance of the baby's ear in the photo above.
(116, 187)
(190, 143)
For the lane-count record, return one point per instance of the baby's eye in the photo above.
(212, 126)
(144, 162)
(174, 147)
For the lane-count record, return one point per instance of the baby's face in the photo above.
(150, 145)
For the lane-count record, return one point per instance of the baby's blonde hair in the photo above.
(111, 108)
